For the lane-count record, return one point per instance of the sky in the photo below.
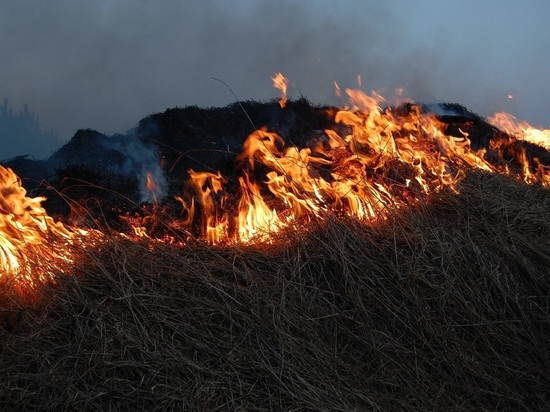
(107, 64)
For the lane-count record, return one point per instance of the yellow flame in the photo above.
(377, 161)
(281, 82)
(523, 130)
(32, 244)
(256, 220)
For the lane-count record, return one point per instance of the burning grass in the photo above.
(443, 306)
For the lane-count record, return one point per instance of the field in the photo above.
(443, 306)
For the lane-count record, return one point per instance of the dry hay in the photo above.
(445, 307)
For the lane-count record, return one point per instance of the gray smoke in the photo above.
(142, 161)
(105, 65)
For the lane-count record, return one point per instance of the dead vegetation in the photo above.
(443, 307)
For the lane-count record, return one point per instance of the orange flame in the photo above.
(214, 218)
(376, 162)
(151, 185)
(356, 183)
(386, 160)
(281, 82)
(523, 130)
(32, 245)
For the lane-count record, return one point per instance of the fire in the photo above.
(281, 82)
(380, 160)
(256, 220)
(207, 203)
(385, 161)
(152, 186)
(207, 185)
(351, 174)
(32, 245)
(523, 130)
(337, 90)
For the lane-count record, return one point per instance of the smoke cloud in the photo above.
(105, 65)
(142, 161)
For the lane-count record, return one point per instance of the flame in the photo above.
(152, 186)
(337, 90)
(213, 216)
(281, 82)
(522, 130)
(379, 161)
(256, 220)
(151, 190)
(32, 245)
(355, 181)
(385, 162)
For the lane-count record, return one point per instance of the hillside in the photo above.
(437, 301)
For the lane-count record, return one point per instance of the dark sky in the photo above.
(106, 64)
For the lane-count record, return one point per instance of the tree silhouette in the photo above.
(21, 133)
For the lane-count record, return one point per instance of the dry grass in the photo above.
(445, 307)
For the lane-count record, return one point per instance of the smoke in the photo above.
(106, 65)
(142, 161)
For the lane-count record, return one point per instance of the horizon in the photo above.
(107, 66)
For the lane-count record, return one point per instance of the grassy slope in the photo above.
(445, 307)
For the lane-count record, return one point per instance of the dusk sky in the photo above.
(106, 64)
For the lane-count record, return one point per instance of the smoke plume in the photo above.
(105, 65)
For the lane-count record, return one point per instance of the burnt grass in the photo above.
(444, 306)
